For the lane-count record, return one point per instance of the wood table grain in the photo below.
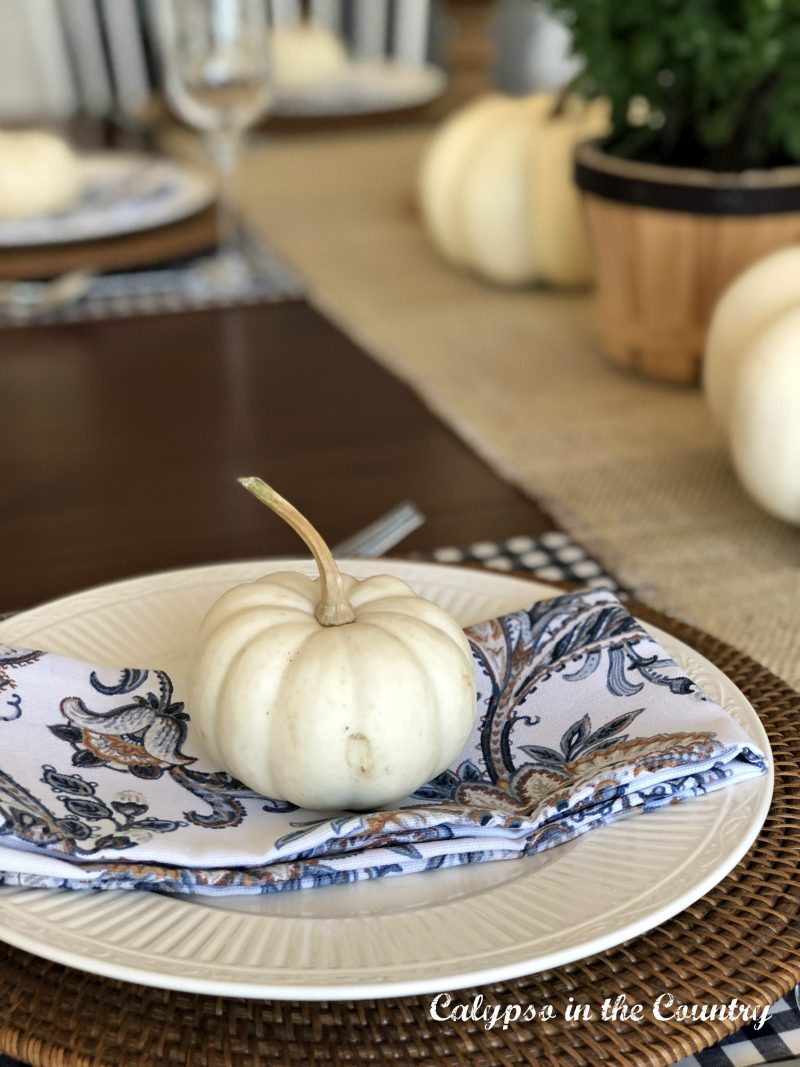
(122, 440)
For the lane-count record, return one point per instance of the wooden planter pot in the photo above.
(666, 242)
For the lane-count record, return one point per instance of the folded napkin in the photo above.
(581, 719)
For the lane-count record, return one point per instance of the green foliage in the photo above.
(703, 83)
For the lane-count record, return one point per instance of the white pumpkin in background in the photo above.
(764, 420)
(304, 56)
(751, 302)
(496, 189)
(330, 692)
(751, 377)
(39, 174)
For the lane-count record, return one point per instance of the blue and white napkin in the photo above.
(581, 719)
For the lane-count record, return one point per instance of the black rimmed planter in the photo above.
(666, 242)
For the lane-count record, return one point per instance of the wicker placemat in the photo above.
(742, 940)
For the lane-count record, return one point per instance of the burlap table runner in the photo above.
(634, 469)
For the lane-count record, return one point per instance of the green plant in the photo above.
(699, 83)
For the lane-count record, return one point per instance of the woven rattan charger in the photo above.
(741, 940)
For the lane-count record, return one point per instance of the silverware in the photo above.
(28, 300)
(383, 534)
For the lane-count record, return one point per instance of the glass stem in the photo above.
(224, 146)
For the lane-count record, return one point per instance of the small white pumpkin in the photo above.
(764, 417)
(496, 190)
(332, 693)
(756, 298)
(39, 174)
(304, 56)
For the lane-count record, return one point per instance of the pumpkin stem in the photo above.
(334, 609)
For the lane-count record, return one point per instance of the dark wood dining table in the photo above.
(123, 439)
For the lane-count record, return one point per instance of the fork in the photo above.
(383, 534)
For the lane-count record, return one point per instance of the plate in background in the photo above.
(363, 88)
(123, 193)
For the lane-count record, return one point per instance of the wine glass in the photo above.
(216, 56)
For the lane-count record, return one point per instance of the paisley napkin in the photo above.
(581, 719)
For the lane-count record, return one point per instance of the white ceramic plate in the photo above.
(123, 193)
(363, 88)
(411, 934)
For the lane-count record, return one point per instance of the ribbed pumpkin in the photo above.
(496, 190)
(751, 377)
(331, 693)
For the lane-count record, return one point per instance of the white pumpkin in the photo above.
(304, 56)
(764, 417)
(330, 692)
(39, 174)
(757, 297)
(496, 190)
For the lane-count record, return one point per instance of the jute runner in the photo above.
(633, 469)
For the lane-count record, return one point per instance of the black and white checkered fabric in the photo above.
(555, 557)
(778, 1040)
